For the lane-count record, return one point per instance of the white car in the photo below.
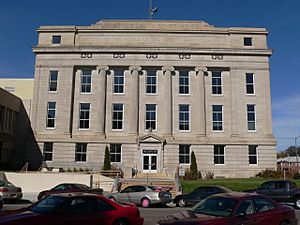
(10, 192)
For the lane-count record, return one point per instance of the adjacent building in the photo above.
(153, 91)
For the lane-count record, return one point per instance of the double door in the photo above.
(150, 161)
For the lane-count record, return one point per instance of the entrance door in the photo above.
(150, 161)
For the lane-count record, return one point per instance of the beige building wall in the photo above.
(167, 47)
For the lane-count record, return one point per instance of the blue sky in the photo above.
(19, 20)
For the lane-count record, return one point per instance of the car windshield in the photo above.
(215, 206)
(47, 205)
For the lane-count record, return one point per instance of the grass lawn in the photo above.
(233, 184)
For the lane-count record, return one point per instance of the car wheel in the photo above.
(112, 198)
(121, 222)
(181, 203)
(297, 202)
(145, 202)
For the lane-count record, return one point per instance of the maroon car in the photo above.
(234, 209)
(69, 187)
(73, 209)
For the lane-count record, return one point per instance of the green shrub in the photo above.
(194, 167)
(269, 173)
(106, 165)
(297, 175)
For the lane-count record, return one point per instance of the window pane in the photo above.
(184, 154)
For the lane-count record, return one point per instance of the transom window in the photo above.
(51, 114)
(84, 115)
(184, 154)
(219, 154)
(117, 116)
(80, 152)
(151, 82)
(48, 151)
(118, 86)
(115, 153)
(56, 39)
(86, 81)
(184, 82)
(252, 151)
(150, 116)
(249, 83)
(251, 117)
(53, 81)
(217, 117)
(216, 82)
(184, 117)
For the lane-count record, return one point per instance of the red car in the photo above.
(69, 187)
(234, 209)
(72, 209)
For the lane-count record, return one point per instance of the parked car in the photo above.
(144, 195)
(10, 192)
(280, 190)
(74, 208)
(1, 202)
(69, 187)
(198, 194)
(234, 208)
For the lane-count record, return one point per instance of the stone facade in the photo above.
(197, 70)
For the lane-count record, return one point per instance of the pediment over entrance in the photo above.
(150, 138)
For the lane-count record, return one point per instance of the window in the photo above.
(219, 154)
(118, 81)
(53, 81)
(117, 116)
(262, 204)
(217, 117)
(216, 82)
(184, 154)
(150, 116)
(56, 39)
(80, 154)
(246, 208)
(252, 151)
(151, 82)
(51, 114)
(247, 41)
(249, 83)
(115, 153)
(2, 117)
(48, 151)
(184, 117)
(84, 116)
(251, 117)
(184, 82)
(86, 81)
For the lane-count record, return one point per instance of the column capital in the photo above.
(102, 67)
(168, 69)
(200, 69)
(137, 68)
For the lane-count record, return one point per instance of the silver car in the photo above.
(144, 195)
(10, 192)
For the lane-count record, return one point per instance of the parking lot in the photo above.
(151, 215)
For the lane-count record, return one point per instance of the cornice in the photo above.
(202, 51)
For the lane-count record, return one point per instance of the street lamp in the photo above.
(297, 151)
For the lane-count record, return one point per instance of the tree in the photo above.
(194, 167)
(106, 165)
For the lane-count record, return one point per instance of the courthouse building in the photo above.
(153, 92)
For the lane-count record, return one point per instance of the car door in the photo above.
(85, 210)
(123, 195)
(266, 211)
(266, 188)
(195, 196)
(245, 213)
(281, 192)
(137, 194)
